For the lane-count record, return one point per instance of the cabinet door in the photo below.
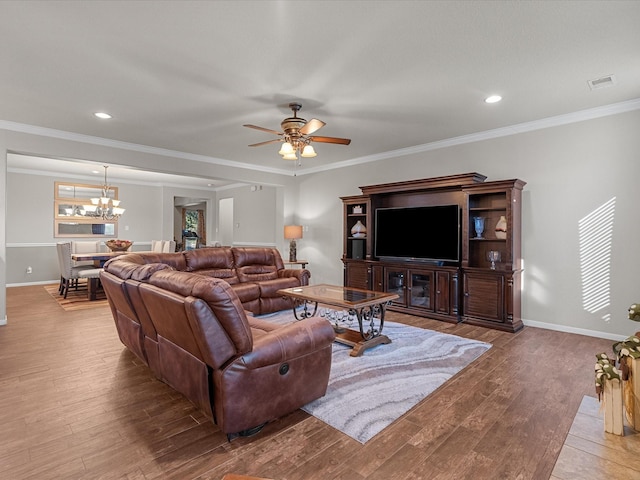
(420, 290)
(484, 296)
(442, 296)
(396, 282)
(377, 277)
(357, 275)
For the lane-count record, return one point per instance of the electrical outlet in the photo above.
(29, 270)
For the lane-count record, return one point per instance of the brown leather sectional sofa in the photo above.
(184, 314)
(255, 274)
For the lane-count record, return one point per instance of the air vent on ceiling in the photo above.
(603, 82)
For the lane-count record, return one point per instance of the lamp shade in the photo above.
(308, 152)
(292, 232)
(286, 148)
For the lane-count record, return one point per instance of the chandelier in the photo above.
(105, 207)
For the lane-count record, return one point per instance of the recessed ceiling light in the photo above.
(103, 115)
(493, 99)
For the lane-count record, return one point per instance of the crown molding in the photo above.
(134, 147)
(559, 120)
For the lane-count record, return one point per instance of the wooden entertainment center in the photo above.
(466, 290)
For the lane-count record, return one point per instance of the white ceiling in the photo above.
(186, 75)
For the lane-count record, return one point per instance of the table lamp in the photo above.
(292, 232)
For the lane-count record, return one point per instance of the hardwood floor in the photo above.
(78, 405)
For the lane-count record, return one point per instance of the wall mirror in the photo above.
(74, 215)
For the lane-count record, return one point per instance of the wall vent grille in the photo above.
(603, 82)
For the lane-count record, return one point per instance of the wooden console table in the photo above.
(302, 263)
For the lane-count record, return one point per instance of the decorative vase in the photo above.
(358, 230)
(493, 256)
(501, 228)
(478, 224)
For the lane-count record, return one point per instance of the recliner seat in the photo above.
(194, 333)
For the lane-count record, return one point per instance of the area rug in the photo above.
(76, 299)
(368, 393)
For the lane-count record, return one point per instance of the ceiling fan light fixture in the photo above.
(308, 152)
(286, 149)
(296, 136)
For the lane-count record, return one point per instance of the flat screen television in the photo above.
(428, 234)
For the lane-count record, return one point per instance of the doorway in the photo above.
(190, 221)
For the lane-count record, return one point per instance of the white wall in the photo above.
(255, 217)
(3, 230)
(570, 171)
(148, 216)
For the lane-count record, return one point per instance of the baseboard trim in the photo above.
(29, 284)
(578, 331)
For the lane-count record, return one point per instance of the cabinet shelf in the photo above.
(487, 209)
(473, 239)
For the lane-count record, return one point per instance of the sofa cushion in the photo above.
(174, 260)
(209, 258)
(134, 270)
(243, 256)
(220, 298)
(246, 291)
(257, 264)
(261, 327)
(226, 274)
(212, 262)
(269, 288)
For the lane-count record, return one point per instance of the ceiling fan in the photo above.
(296, 135)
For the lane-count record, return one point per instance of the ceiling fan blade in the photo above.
(265, 143)
(268, 130)
(311, 126)
(341, 141)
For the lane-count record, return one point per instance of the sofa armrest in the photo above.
(291, 341)
(302, 274)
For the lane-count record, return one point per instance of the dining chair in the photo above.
(69, 274)
(84, 247)
(163, 246)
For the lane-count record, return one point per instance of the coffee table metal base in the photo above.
(353, 339)
(370, 323)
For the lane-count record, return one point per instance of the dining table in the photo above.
(98, 258)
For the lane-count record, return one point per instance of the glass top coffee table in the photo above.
(367, 306)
